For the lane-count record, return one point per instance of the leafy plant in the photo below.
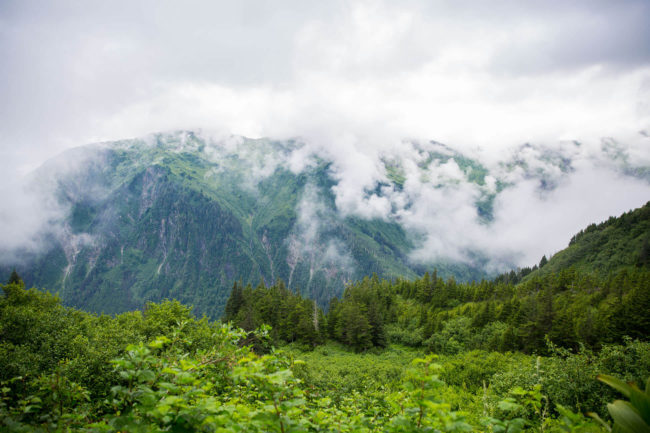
(631, 416)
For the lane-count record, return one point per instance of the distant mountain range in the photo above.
(182, 216)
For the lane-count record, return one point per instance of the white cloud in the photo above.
(356, 82)
(529, 225)
(468, 75)
(309, 245)
(32, 212)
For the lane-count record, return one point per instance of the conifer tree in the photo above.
(234, 303)
(14, 278)
(543, 262)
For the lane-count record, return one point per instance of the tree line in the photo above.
(569, 309)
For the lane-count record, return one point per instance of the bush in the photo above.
(408, 337)
(453, 338)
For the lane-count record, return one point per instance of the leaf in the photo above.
(163, 409)
(627, 418)
(509, 405)
(615, 383)
(159, 342)
(641, 402)
(146, 376)
(516, 425)
(168, 386)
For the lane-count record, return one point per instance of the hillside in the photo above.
(619, 243)
(183, 215)
(176, 216)
(571, 308)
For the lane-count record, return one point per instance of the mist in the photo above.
(552, 99)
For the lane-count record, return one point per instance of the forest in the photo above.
(559, 347)
(595, 292)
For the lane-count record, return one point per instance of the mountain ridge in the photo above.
(178, 215)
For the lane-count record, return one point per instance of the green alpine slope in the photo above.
(174, 216)
(620, 242)
(183, 215)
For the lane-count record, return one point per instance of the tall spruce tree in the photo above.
(14, 278)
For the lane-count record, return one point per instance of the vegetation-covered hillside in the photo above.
(182, 215)
(618, 243)
(567, 303)
(400, 355)
(178, 216)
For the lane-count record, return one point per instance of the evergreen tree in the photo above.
(644, 253)
(14, 278)
(234, 303)
(543, 262)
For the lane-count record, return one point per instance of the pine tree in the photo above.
(234, 303)
(14, 278)
(644, 253)
(543, 262)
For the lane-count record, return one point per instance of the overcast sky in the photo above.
(467, 73)
(481, 76)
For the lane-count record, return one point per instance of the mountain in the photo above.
(184, 215)
(174, 216)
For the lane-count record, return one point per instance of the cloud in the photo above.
(472, 75)
(310, 244)
(34, 213)
(547, 194)
(25, 218)
(528, 225)
(358, 83)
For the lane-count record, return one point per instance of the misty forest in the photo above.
(187, 292)
(352, 216)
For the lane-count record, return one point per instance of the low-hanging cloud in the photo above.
(358, 83)
(34, 213)
(547, 194)
(310, 244)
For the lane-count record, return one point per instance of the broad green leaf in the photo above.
(615, 383)
(627, 418)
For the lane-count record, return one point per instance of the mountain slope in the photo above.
(607, 247)
(148, 221)
(183, 215)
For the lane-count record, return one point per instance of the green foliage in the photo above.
(358, 320)
(615, 244)
(567, 378)
(631, 416)
(507, 358)
(340, 372)
(177, 373)
(40, 336)
(471, 370)
(452, 338)
(419, 406)
(290, 316)
(569, 308)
